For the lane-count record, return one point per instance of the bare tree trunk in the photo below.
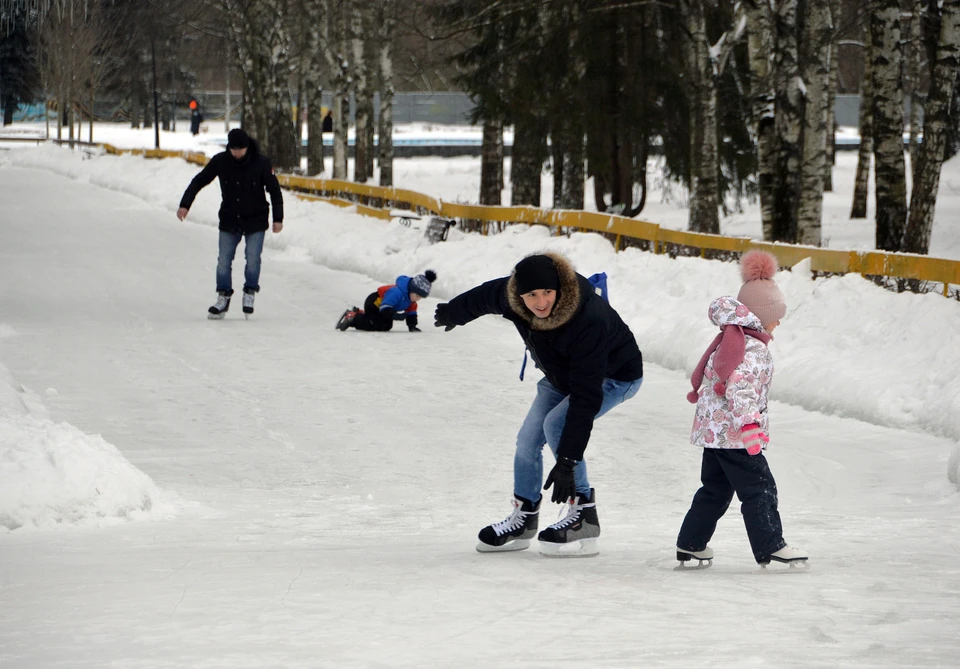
(283, 146)
(526, 161)
(227, 105)
(816, 67)
(364, 96)
(915, 54)
(386, 23)
(862, 180)
(491, 163)
(704, 205)
(760, 49)
(831, 119)
(135, 107)
(335, 43)
(557, 151)
(890, 171)
(313, 64)
(789, 124)
(314, 95)
(333, 39)
(572, 183)
(931, 151)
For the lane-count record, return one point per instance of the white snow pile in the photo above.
(953, 467)
(52, 474)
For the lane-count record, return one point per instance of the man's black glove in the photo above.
(441, 318)
(561, 477)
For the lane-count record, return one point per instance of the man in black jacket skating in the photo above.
(591, 363)
(244, 174)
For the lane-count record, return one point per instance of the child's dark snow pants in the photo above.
(370, 319)
(723, 472)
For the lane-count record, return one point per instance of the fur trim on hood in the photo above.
(568, 297)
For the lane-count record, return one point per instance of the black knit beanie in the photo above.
(536, 272)
(238, 139)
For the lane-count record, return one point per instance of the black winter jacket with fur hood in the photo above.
(582, 342)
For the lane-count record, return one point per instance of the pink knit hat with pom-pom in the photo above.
(759, 293)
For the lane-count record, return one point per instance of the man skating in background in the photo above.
(244, 174)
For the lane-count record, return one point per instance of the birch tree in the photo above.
(816, 66)
(704, 207)
(360, 23)
(763, 105)
(788, 121)
(861, 181)
(259, 32)
(930, 153)
(914, 57)
(314, 63)
(890, 170)
(335, 42)
(386, 21)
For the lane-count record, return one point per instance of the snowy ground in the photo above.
(279, 494)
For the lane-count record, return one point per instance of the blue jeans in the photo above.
(228, 249)
(544, 425)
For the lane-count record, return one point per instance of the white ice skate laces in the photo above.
(512, 522)
(573, 514)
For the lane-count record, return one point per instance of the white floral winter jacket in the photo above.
(719, 418)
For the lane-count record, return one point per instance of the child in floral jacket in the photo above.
(731, 422)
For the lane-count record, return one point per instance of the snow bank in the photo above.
(53, 474)
(846, 347)
(953, 467)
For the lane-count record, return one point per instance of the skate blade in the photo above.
(798, 566)
(216, 317)
(701, 564)
(574, 549)
(510, 546)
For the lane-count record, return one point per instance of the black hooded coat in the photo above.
(582, 342)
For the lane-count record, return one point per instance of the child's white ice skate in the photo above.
(704, 558)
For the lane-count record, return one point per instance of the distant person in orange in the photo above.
(196, 118)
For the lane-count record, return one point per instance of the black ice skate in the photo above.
(514, 532)
(347, 319)
(248, 296)
(704, 558)
(574, 535)
(219, 310)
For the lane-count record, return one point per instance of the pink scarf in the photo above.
(730, 346)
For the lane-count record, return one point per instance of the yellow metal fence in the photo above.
(377, 201)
